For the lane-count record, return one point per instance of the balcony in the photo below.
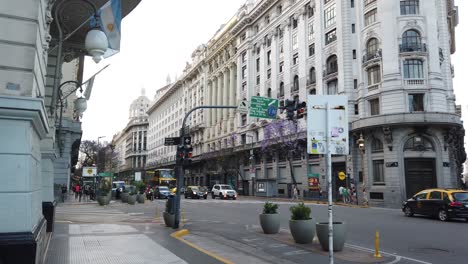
(330, 73)
(414, 82)
(409, 48)
(370, 57)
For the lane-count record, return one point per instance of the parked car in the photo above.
(223, 191)
(162, 192)
(441, 203)
(195, 192)
(117, 188)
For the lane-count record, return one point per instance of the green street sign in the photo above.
(263, 107)
(104, 174)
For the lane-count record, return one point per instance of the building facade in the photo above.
(398, 81)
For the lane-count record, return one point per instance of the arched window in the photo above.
(376, 146)
(332, 64)
(332, 87)
(411, 41)
(419, 143)
(372, 46)
(296, 83)
(281, 89)
(312, 91)
(269, 92)
(312, 77)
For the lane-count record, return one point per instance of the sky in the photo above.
(158, 38)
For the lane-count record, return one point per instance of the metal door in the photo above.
(419, 175)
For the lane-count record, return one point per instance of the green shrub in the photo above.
(140, 186)
(105, 187)
(300, 212)
(270, 208)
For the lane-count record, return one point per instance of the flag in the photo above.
(89, 83)
(110, 18)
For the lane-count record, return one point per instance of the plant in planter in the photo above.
(169, 214)
(270, 219)
(132, 196)
(339, 235)
(301, 225)
(104, 190)
(124, 195)
(140, 186)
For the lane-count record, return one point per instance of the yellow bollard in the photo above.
(157, 214)
(377, 238)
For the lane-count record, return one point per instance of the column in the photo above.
(287, 60)
(208, 102)
(220, 97)
(226, 93)
(232, 88)
(274, 64)
(214, 92)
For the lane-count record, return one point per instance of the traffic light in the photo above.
(290, 106)
(180, 153)
(188, 153)
(300, 110)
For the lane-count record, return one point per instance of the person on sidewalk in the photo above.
(64, 192)
(295, 193)
(80, 194)
(341, 190)
(77, 191)
(86, 192)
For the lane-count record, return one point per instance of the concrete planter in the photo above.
(270, 223)
(303, 231)
(103, 200)
(140, 198)
(169, 219)
(131, 199)
(339, 235)
(124, 197)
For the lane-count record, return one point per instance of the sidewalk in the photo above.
(281, 199)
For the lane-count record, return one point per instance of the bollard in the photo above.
(377, 238)
(183, 216)
(157, 214)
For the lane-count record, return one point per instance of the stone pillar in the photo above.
(220, 97)
(232, 88)
(208, 102)
(226, 92)
(214, 93)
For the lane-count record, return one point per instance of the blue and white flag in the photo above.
(110, 18)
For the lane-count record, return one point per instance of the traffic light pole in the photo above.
(179, 169)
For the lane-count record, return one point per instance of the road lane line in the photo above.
(179, 234)
(386, 253)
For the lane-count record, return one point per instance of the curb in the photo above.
(304, 201)
(183, 232)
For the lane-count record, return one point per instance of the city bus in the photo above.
(164, 177)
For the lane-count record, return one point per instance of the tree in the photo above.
(284, 136)
(88, 149)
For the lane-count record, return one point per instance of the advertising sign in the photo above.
(313, 181)
(337, 124)
(89, 171)
(137, 176)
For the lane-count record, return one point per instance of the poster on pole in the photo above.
(137, 176)
(89, 171)
(317, 124)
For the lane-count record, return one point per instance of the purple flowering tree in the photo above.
(283, 136)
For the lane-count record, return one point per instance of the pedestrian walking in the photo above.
(80, 194)
(341, 190)
(77, 191)
(295, 193)
(64, 192)
(86, 192)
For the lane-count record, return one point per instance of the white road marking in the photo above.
(386, 253)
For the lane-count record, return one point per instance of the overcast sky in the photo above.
(158, 38)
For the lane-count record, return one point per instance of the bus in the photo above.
(164, 177)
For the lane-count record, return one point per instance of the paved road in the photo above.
(417, 238)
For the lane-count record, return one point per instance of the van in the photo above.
(117, 188)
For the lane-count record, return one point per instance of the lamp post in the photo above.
(362, 149)
(95, 44)
(97, 160)
(252, 161)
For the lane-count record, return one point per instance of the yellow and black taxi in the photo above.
(442, 203)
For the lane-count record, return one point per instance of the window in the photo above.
(354, 54)
(355, 83)
(418, 143)
(279, 9)
(378, 170)
(372, 46)
(269, 92)
(258, 64)
(374, 107)
(312, 91)
(376, 146)
(280, 32)
(416, 102)
(310, 11)
(413, 69)
(435, 196)
(356, 109)
(267, 19)
(281, 52)
(268, 74)
(244, 120)
(352, 3)
(409, 7)
(312, 78)
(244, 85)
(332, 87)
(421, 196)
(294, 22)
(373, 75)
(311, 31)
(244, 72)
(294, 41)
(281, 89)
(281, 66)
(311, 49)
(269, 58)
(370, 17)
(411, 41)
(330, 37)
(296, 83)
(258, 79)
(368, 2)
(353, 28)
(295, 59)
(332, 64)
(330, 16)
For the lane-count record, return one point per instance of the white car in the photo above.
(223, 191)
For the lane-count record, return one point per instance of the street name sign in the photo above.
(337, 124)
(243, 107)
(171, 141)
(263, 107)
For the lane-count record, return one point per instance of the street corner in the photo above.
(350, 253)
